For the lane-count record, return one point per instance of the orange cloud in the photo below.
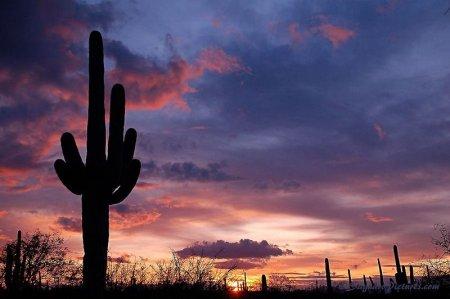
(376, 219)
(336, 35)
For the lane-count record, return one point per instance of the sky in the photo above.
(277, 133)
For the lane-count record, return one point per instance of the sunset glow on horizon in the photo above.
(272, 134)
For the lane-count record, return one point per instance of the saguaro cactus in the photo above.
(381, 273)
(349, 277)
(328, 275)
(263, 283)
(372, 284)
(400, 276)
(103, 181)
(9, 267)
(17, 261)
(411, 274)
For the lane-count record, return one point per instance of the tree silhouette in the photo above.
(103, 181)
(43, 257)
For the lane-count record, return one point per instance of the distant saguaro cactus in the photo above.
(349, 277)
(381, 273)
(328, 275)
(405, 278)
(411, 274)
(17, 261)
(372, 284)
(14, 264)
(103, 181)
(400, 276)
(9, 262)
(263, 283)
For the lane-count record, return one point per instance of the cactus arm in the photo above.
(96, 132)
(130, 177)
(70, 151)
(115, 141)
(128, 146)
(67, 177)
(71, 171)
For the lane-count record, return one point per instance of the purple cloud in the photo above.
(245, 248)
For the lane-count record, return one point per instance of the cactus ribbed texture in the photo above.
(349, 277)
(328, 275)
(263, 283)
(381, 273)
(103, 181)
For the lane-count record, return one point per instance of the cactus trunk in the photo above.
(381, 273)
(400, 276)
(328, 275)
(9, 267)
(103, 181)
(263, 283)
(404, 278)
(371, 281)
(349, 277)
(17, 259)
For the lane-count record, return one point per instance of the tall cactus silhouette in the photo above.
(328, 276)
(400, 276)
(103, 181)
(17, 261)
(9, 262)
(263, 283)
(411, 274)
(380, 270)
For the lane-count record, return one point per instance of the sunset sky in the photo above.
(308, 129)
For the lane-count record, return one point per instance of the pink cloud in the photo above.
(336, 35)
(294, 33)
(389, 6)
(146, 185)
(156, 88)
(376, 219)
(125, 217)
(216, 60)
(379, 131)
